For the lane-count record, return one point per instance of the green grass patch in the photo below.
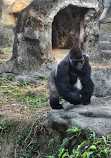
(6, 127)
(35, 141)
(24, 93)
(27, 144)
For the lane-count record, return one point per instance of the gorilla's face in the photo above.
(77, 63)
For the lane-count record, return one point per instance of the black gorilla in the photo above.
(62, 79)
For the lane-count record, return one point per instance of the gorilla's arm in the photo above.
(87, 83)
(68, 92)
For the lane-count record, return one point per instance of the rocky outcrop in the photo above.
(9, 10)
(102, 82)
(33, 34)
(106, 14)
(105, 42)
(96, 117)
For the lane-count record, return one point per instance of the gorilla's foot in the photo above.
(86, 102)
(59, 106)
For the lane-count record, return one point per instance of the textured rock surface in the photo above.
(9, 10)
(102, 81)
(33, 34)
(105, 41)
(106, 14)
(91, 36)
(96, 117)
(8, 7)
(6, 35)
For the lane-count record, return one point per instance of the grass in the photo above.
(6, 49)
(34, 99)
(35, 141)
(26, 142)
(29, 136)
(30, 96)
(6, 127)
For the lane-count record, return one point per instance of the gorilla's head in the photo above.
(76, 58)
(77, 63)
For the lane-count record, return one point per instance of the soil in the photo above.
(12, 109)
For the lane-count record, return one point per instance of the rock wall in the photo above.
(106, 14)
(9, 10)
(33, 34)
(91, 35)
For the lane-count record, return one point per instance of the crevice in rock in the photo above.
(96, 115)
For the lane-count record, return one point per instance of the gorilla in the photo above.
(62, 80)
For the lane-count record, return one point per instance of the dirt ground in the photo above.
(9, 106)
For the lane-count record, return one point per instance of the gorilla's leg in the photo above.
(54, 95)
(72, 97)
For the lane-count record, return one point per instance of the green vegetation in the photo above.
(84, 144)
(41, 78)
(6, 49)
(1, 52)
(27, 144)
(23, 83)
(10, 77)
(30, 137)
(62, 101)
(6, 127)
(30, 96)
(35, 141)
(6, 45)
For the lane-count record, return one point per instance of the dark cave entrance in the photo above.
(67, 21)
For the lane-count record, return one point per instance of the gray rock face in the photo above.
(102, 82)
(96, 117)
(106, 14)
(6, 35)
(33, 33)
(91, 35)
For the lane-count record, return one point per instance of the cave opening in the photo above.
(67, 23)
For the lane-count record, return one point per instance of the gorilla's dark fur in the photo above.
(62, 80)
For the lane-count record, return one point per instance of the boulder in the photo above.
(96, 117)
(102, 82)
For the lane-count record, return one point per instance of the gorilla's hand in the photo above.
(85, 100)
(84, 97)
